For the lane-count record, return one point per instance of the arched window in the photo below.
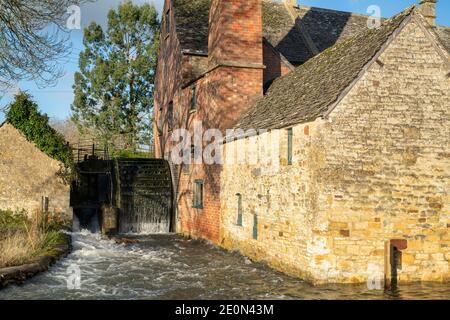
(167, 20)
(170, 116)
(161, 122)
(193, 98)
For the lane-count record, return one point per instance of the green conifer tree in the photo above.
(114, 87)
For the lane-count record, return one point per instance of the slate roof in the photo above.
(326, 27)
(307, 92)
(279, 30)
(192, 23)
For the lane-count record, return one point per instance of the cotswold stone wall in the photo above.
(283, 198)
(27, 174)
(378, 169)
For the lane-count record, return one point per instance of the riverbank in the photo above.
(167, 266)
(29, 245)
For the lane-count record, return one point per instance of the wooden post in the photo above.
(44, 204)
(387, 264)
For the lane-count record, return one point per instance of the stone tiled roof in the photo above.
(279, 29)
(326, 27)
(307, 92)
(444, 35)
(192, 23)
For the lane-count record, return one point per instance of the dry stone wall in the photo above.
(27, 175)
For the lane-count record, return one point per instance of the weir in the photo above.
(123, 195)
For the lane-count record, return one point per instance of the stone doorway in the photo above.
(393, 261)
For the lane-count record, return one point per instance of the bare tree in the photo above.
(33, 40)
(68, 129)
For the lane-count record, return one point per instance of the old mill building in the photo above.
(361, 118)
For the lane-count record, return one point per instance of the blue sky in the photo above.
(55, 101)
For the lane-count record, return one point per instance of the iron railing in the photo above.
(89, 149)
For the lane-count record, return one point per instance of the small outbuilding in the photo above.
(29, 179)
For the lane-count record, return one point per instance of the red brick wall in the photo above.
(222, 96)
(275, 66)
(236, 31)
(167, 81)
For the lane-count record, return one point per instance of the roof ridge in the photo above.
(320, 9)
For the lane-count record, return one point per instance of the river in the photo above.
(172, 267)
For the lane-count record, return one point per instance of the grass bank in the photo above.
(23, 238)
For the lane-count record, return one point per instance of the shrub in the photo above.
(10, 221)
(15, 250)
(132, 154)
(23, 238)
(23, 115)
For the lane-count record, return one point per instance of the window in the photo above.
(193, 156)
(161, 122)
(198, 194)
(167, 22)
(193, 98)
(255, 227)
(289, 141)
(186, 162)
(239, 210)
(170, 116)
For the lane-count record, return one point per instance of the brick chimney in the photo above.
(235, 32)
(235, 54)
(427, 9)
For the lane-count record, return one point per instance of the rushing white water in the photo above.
(145, 214)
(145, 196)
(171, 267)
